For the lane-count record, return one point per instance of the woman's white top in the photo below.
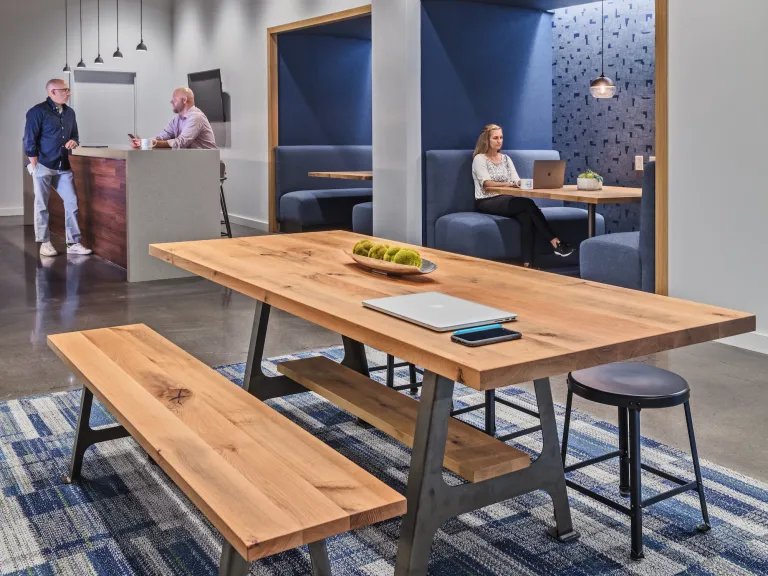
(483, 170)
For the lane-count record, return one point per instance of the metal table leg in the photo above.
(431, 501)
(592, 220)
(232, 564)
(255, 381)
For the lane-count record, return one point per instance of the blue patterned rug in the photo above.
(127, 518)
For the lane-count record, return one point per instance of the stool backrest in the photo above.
(222, 170)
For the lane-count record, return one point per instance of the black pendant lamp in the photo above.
(99, 59)
(81, 64)
(117, 53)
(66, 69)
(602, 87)
(142, 47)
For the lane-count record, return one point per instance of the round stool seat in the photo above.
(630, 385)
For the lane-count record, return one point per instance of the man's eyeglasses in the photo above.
(67, 90)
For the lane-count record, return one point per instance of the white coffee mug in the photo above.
(146, 143)
(526, 184)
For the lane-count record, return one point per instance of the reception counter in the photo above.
(129, 199)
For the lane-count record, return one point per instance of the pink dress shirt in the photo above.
(190, 131)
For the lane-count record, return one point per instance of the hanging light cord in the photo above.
(98, 24)
(117, 12)
(81, 30)
(66, 31)
(141, 17)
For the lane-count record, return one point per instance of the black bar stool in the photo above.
(224, 211)
(632, 388)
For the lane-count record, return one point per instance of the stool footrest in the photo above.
(599, 497)
(517, 407)
(467, 409)
(519, 433)
(592, 461)
(669, 494)
(664, 475)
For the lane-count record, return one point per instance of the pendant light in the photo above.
(99, 59)
(81, 64)
(117, 53)
(142, 47)
(602, 87)
(66, 69)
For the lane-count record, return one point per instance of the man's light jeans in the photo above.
(63, 182)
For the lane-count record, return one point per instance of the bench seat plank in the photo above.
(469, 452)
(265, 483)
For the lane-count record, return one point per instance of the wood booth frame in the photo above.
(662, 122)
(272, 99)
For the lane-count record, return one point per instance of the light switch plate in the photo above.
(638, 162)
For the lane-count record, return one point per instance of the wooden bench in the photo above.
(265, 483)
(469, 452)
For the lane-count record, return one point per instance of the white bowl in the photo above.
(589, 184)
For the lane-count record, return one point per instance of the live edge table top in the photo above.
(567, 323)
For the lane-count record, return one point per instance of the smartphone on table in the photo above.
(484, 335)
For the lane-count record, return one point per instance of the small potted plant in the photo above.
(589, 180)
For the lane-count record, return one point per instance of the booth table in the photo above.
(359, 175)
(608, 195)
(567, 324)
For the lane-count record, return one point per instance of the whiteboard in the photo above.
(105, 103)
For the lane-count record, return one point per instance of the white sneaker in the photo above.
(79, 249)
(47, 249)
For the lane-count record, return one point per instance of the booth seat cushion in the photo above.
(293, 164)
(612, 259)
(498, 238)
(362, 218)
(322, 207)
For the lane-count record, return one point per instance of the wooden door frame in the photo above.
(272, 85)
(662, 147)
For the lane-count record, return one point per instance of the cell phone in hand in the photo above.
(131, 136)
(485, 335)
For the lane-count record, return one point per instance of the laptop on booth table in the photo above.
(548, 174)
(439, 312)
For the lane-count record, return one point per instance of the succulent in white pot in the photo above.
(589, 180)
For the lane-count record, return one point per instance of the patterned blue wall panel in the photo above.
(605, 135)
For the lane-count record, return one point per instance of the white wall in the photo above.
(232, 35)
(718, 189)
(32, 49)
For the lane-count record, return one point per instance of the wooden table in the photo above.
(359, 175)
(567, 324)
(608, 195)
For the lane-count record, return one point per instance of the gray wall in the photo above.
(232, 35)
(32, 48)
(718, 123)
(606, 135)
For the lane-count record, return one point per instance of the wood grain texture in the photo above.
(662, 147)
(567, 323)
(469, 452)
(101, 198)
(266, 484)
(273, 124)
(360, 175)
(608, 195)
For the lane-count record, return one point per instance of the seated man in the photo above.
(189, 129)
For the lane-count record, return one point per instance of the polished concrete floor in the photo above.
(37, 298)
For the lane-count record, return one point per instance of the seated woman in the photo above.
(491, 168)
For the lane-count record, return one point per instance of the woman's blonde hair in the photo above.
(484, 142)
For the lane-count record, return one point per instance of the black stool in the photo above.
(224, 211)
(633, 387)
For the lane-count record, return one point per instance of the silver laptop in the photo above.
(439, 312)
(548, 174)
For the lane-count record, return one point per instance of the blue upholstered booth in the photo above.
(362, 218)
(627, 259)
(304, 202)
(452, 223)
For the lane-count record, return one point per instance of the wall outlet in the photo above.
(638, 162)
(652, 159)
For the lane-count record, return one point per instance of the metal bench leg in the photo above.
(318, 554)
(85, 436)
(706, 526)
(636, 487)
(232, 564)
(624, 488)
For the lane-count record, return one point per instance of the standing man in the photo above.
(49, 137)
(189, 129)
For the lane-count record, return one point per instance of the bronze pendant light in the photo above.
(602, 87)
